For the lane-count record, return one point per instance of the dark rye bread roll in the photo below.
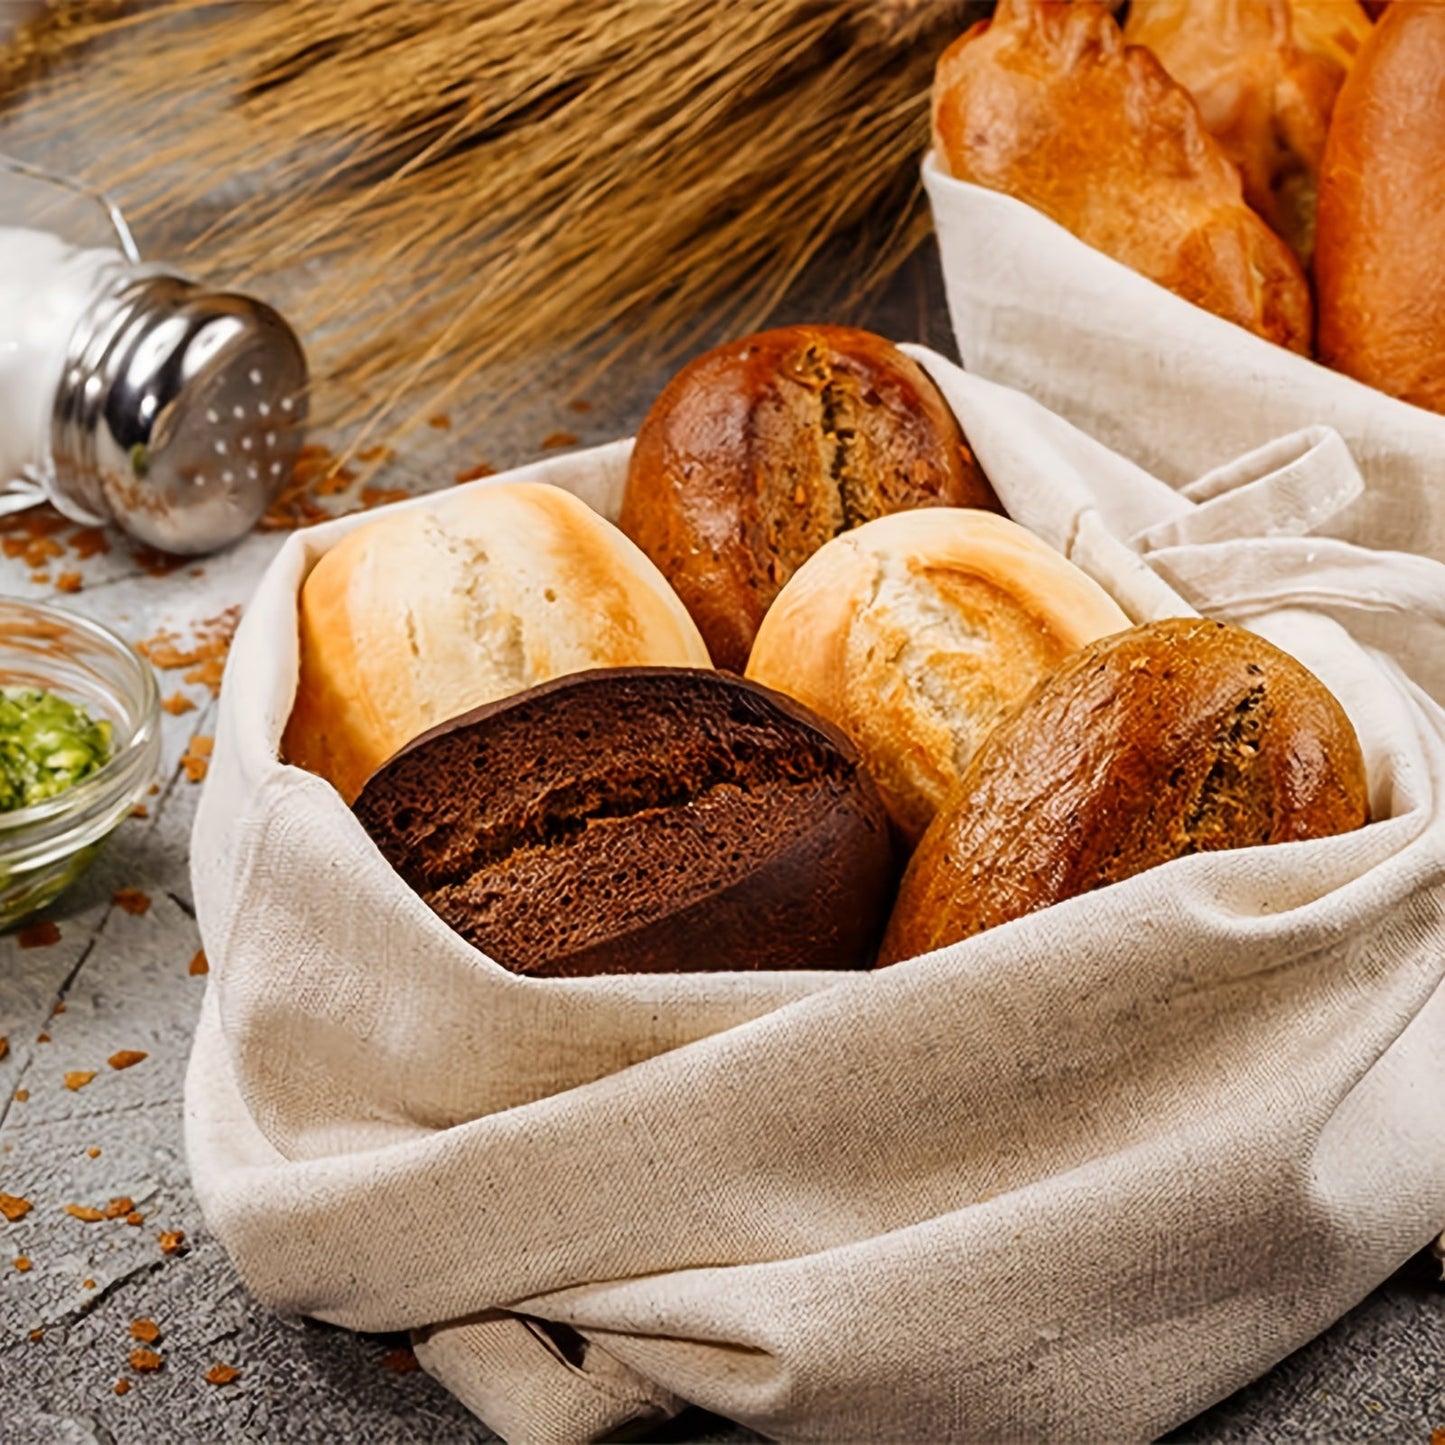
(641, 820)
(1180, 736)
(760, 451)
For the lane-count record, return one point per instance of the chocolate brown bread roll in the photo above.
(762, 450)
(1181, 736)
(641, 820)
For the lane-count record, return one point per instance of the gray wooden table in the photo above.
(125, 982)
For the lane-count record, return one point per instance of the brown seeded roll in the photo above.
(641, 820)
(1181, 736)
(762, 450)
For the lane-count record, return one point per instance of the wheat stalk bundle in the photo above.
(476, 182)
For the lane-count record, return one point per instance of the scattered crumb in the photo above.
(140, 811)
(580, 406)
(135, 1217)
(77, 1079)
(196, 572)
(87, 1284)
(22, 1096)
(376, 454)
(40, 577)
(88, 542)
(119, 1208)
(146, 1361)
(42, 1037)
(220, 1374)
(39, 935)
(196, 759)
(382, 496)
(59, 1007)
(35, 551)
(126, 1058)
(5, 1045)
(36, 1336)
(476, 473)
(205, 657)
(133, 900)
(178, 703)
(172, 1241)
(199, 964)
(400, 1361)
(153, 789)
(93, 1152)
(122, 1387)
(441, 421)
(84, 1213)
(559, 439)
(13, 1207)
(23, 1264)
(146, 1331)
(69, 582)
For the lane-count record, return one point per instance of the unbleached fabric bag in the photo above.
(1162, 381)
(1075, 1178)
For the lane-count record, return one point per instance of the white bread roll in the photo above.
(438, 609)
(917, 632)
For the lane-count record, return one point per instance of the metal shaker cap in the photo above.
(179, 414)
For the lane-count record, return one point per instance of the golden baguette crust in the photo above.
(1181, 736)
(1380, 246)
(916, 633)
(1045, 102)
(434, 610)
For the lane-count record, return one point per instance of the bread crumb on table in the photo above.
(172, 1241)
(133, 900)
(146, 1361)
(126, 1058)
(14, 1208)
(122, 1387)
(77, 1079)
(199, 964)
(39, 935)
(23, 1264)
(220, 1374)
(146, 1331)
(84, 1213)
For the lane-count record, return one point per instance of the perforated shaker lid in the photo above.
(180, 413)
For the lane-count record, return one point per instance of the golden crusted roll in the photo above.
(916, 633)
(1045, 102)
(437, 609)
(1265, 74)
(1181, 736)
(1380, 249)
(761, 450)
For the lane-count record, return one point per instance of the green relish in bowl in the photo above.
(80, 741)
(46, 746)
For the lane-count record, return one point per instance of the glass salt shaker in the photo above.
(130, 395)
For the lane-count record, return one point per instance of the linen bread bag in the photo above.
(1075, 1178)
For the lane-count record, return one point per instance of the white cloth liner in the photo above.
(1076, 1178)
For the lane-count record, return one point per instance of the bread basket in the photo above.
(1076, 1178)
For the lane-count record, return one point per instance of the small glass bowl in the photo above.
(44, 848)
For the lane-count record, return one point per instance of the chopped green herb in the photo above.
(46, 746)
